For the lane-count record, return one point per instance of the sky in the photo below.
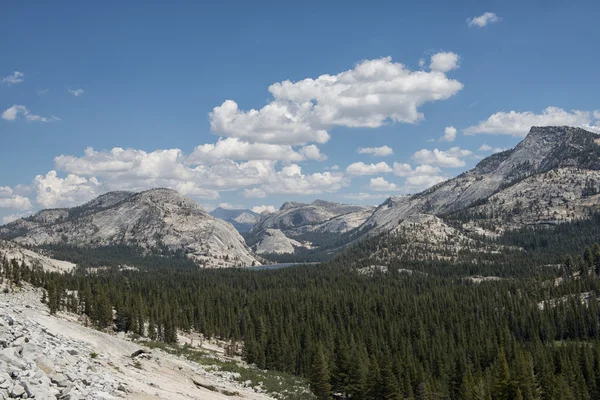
(249, 104)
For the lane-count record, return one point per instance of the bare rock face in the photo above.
(13, 251)
(544, 149)
(158, 218)
(275, 242)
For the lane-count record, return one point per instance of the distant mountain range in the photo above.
(551, 177)
(295, 226)
(242, 220)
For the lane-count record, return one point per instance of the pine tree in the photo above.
(319, 376)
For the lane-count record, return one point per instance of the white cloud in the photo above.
(596, 114)
(483, 20)
(382, 151)
(335, 168)
(427, 170)
(444, 62)
(449, 134)
(42, 92)
(76, 92)
(418, 183)
(12, 113)
(360, 168)
(9, 199)
(451, 158)
(519, 123)
(312, 152)
(291, 180)
(405, 170)
(264, 209)
(421, 62)
(379, 184)
(254, 193)
(278, 122)
(238, 150)
(15, 77)
(485, 148)
(53, 191)
(402, 169)
(130, 169)
(371, 94)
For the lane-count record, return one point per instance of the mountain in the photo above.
(304, 226)
(156, 220)
(242, 220)
(551, 177)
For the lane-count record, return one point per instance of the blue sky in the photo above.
(97, 97)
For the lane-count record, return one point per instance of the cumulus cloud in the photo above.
(418, 183)
(449, 134)
(279, 122)
(451, 158)
(483, 20)
(487, 148)
(53, 191)
(76, 92)
(239, 150)
(9, 199)
(406, 170)
(382, 151)
(15, 77)
(444, 62)
(369, 95)
(519, 123)
(291, 180)
(12, 113)
(360, 168)
(312, 152)
(264, 209)
(131, 169)
(379, 184)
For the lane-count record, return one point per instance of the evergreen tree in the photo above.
(319, 376)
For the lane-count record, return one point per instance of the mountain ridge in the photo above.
(153, 219)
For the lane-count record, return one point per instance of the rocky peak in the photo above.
(288, 205)
(163, 196)
(544, 149)
(324, 203)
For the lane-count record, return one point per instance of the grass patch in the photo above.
(277, 384)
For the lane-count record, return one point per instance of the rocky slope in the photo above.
(544, 149)
(242, 220)
(153, 220)
(55, 357)
(13, 251)
(287, 229)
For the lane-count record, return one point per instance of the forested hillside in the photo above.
(419, 330)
